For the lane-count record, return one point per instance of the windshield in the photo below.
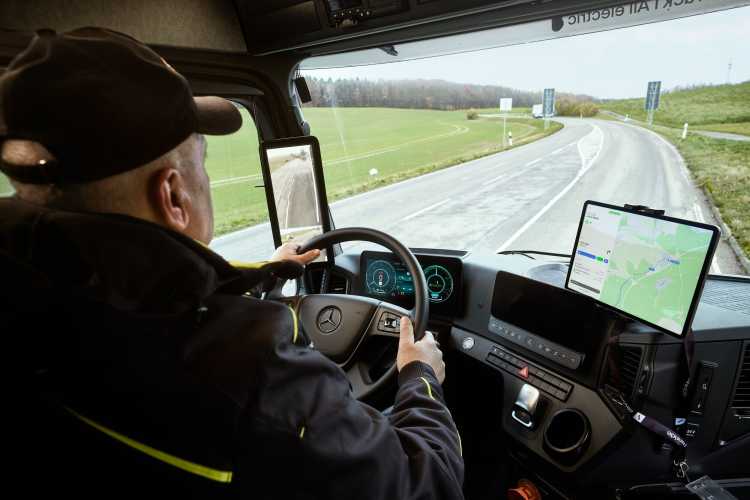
(498, 149)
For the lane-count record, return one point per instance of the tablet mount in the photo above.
(644, 209)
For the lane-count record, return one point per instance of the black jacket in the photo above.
(142, 366)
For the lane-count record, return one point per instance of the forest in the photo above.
(418, 94)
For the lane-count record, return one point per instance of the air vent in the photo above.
(624, 371)
(338, 283)
(729, 295)
(741, 398)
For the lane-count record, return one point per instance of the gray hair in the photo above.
(123, 193)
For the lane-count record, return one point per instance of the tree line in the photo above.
(419, 94)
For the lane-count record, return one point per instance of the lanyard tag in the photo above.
(660, 429)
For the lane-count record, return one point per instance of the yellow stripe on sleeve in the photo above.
(191, 467)
(429, 388)
(247, 265)
(296, 326)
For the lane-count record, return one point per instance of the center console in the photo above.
(549, 343)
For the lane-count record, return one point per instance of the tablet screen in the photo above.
(649, 267)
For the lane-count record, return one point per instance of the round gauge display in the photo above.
(380, 278)
(439, 283)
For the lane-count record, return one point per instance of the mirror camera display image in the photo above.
(295, 193)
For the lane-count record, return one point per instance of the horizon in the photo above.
(677, 88)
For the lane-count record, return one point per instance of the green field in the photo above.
(5, 188)
(720, 167)
(699, 107)
(398, 143)
(742, 128)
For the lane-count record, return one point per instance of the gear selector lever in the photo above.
(525, 406)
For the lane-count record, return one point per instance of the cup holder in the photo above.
(567, 435)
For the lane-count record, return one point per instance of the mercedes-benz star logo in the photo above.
(329, 319)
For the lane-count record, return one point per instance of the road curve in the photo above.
(527, 198)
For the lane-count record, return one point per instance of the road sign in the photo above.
(549, 102)
(652, 96)
(506, 104)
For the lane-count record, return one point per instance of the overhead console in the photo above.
(315, 21)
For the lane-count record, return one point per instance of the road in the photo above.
(723, 135)
(294, 191)
(529, 197)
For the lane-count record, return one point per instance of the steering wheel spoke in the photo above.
(386, 320)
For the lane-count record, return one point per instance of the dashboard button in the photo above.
(467, 343)
(565, 386)
(524, 372)
(560, 394)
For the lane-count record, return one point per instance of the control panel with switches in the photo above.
(533, 375)
(550, 350)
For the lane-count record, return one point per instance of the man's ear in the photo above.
(171, 200)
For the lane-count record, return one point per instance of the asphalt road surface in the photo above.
(294, 192)
(527, 198)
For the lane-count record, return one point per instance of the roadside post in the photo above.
(506, 104)
(653, 93)
(549, 106)
(510, 137)
(684, 131)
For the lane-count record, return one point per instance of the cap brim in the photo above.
(217, 116)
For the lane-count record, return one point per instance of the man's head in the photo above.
(172, 191)
(93, 120)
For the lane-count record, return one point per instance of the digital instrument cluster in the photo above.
(387, 278)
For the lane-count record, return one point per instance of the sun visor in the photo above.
(586, 21)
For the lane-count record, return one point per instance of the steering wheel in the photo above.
(339, 324)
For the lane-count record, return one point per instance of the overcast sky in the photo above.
(610, 64)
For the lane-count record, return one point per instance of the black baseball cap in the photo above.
(101, 103)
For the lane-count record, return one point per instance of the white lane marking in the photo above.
(289, 201)
(233, 180)
(420, 212)
(699, 215)
(507, 176)
(584, 168)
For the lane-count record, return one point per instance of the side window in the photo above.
(5, 188)
(240, 209)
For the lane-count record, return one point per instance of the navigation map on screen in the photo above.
(647, 267)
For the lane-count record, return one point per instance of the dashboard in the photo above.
(512, 316)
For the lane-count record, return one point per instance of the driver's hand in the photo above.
(288, 251)
(426, 350)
